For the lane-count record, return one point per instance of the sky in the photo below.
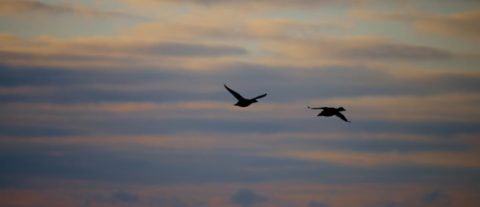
(121, 103)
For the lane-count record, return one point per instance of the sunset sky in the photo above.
(121, 103)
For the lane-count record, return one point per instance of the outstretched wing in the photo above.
(235, 94)
(341, 116)
(317, 108)
(261, 96)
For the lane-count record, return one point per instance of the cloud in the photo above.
(437, 197)
(463, 25)
(386, 204)
(33, 131)
(80, 86)
(165, 166)
(317, 204)
(235, 26)
(147, 102)
(29, 6)
(379, 146)
(95, 197)
(247, 198)
(195, 50)
(454, 25)
(356, 49)
(114, 52)
(148, 110)
(12, 6)
(260, 3)
(83, 193)
(397, 51)
(427, 158)
(125, 197)
(173, 202)
(171, 45)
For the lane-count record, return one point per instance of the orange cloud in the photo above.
(355, 50)
(118, 52)
(446, 159)
(24, 90)
(463, 24)
(456, 25)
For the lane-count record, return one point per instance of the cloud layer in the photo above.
(121, 103)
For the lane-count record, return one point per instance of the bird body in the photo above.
(331, 111)
(241, 101)
(245, 103)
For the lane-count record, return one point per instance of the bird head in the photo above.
(341, 109)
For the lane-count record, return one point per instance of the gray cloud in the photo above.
(33, 131)
(386, 204)
(379, 145)
(247, 198)
(299, 3)
(398, 51)
(317, 204)
(102, 53)
(128, 198)
(32, 5)
(9, 56)
(185, 120)
(437, 197)
(188, 49)
(28, 6)
(125, 197)
(27, 164)
(172, 202)
(299, 83)
(77, 87)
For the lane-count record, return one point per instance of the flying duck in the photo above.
(243, 102)
(330, 111)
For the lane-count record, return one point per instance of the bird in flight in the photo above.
(330, 111)
(243, 102)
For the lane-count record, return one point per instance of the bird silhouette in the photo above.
(330, 111)
(243, 102)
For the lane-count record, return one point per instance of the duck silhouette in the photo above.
(243, 102)
(330, 111)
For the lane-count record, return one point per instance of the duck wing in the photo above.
(317, 107)
(341, 116)
(261, 96)
(235, 94)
